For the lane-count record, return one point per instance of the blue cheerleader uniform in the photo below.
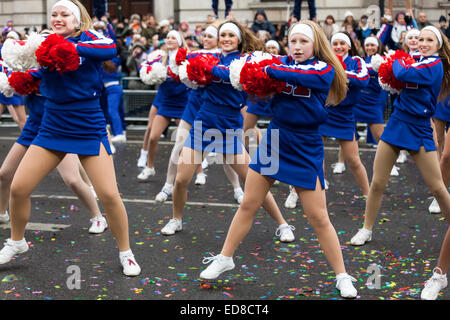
(259, 106)
(443, 110)
(341, 119)
(172, 95)
(35, 104)
(73, 121)
(410, 126)
(292, 151)
(218, 124)
(372, 99)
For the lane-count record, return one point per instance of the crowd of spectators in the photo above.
(138, 35)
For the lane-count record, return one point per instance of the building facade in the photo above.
(27, 13)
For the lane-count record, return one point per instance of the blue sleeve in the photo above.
(357, 73)
(317, 76)
(425, 72)
(95, 46)
(221, 72)
(111, 33)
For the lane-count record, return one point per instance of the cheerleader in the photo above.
(410, 128)
(73, 122)
(314, 77)
(219, 114)
(186, 122)
(170, 100)
(341, 120)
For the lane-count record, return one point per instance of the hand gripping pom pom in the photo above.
(376, 61)
(257, 83)
(386, 76)
(43, 52)
(5, 87)
(23, 83)
(180, 56)
(65, 57)
(199, 69)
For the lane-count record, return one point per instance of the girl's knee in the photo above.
(319, 221)
(6, 177)
(19, 191)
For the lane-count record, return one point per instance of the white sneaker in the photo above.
(171, 227)
(327, 184)
(291, 201)
(12, 248)
(338, 167)
(401, 158)
(93, 192)
(284, 232)
(200, 179)
(219, 265)
(433, 285)
(434, 207)
(238, 195)
(120, 138)
(98, 225)
(129, 264)
(146, 173)
(394, 171)
(361, 237)
(113, 149)
(205, 163)
(164, 194)
(142, 161)
(4, 217)
(345, 286)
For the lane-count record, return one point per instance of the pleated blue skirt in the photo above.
(340, 123)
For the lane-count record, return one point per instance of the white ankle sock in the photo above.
(125, 253)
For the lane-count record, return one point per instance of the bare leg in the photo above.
(35, 165)
(70, 173)
(18, 114)
(100, 170)
(377, 130)
(7, 171)
(160, 123)
(351, 155)
(151, 116)
(384, 161)
(439, 126)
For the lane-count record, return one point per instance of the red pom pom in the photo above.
(386, 74)
(43, 52)
(341, 60)
(23, 83)
(172, 75)
(199, 69)
(65, 57)
(257, 83)
(181, 56)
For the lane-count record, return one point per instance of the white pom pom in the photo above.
(5, 88)
(173, 65)
(184, 76)
(390, 53)
(259, 56)
(156, 54)
(235, 72)
(376, 61)
(387, 87)
(156, 75)
(20, 55)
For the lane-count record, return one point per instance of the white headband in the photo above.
(341, 36)
(71, 6)
(272, 43)
(303, 29)
(175, 34)
(13, 34)
(371, 40)
(211, 31)
(412, 32)
(229, 26)
(437, 33)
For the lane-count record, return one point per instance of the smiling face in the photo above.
(228, 41)
(171, 42)
(62, 21)
(413, 42)
(428, 43)
(340, 47)
(301, 48)
(209, 42)
(370, 49)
